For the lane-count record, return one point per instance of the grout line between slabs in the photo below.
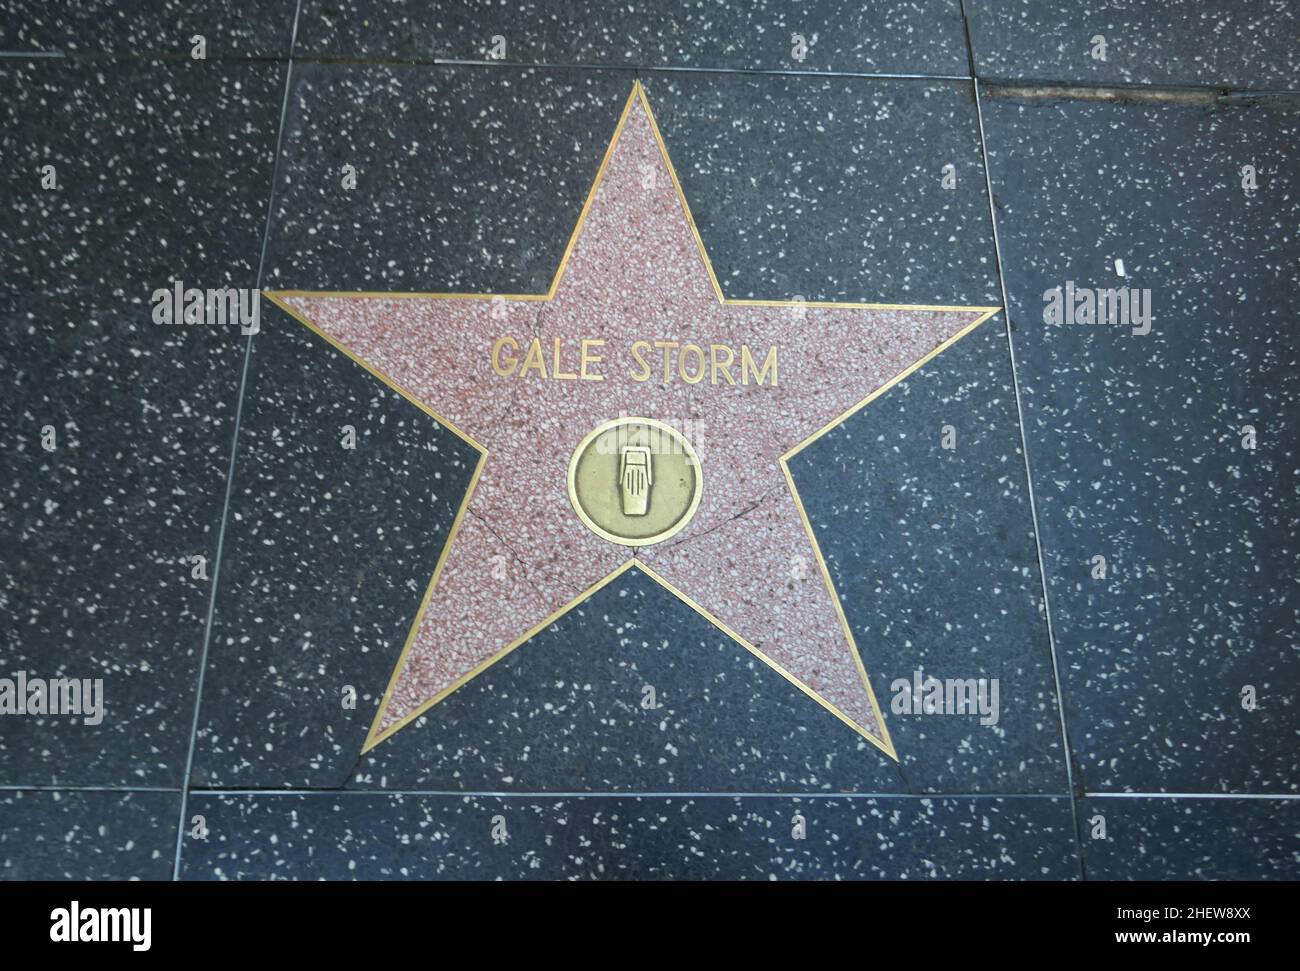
(622, 795)
(1067, 752)
(1043, 86)
(995, 81)
(230, 469)
(398, 61)
(685, 69)
(666, 794)
(1278, 796)
(615, 794)
(88, 788)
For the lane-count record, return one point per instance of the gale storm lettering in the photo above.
(663, 361)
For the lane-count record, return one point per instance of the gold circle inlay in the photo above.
(635, 481)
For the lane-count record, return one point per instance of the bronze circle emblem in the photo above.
(635, 481)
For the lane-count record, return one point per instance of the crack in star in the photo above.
(772, 493)
(518, 557)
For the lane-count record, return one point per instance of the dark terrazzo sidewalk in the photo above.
(868, 165)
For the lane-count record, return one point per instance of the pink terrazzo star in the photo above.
(519, 556)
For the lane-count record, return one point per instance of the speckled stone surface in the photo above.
(833, 188)
(776, 170)
(327, 557)
(933, 551)
(468, 179)
(1136, 441)
(569, 712)
(1193, 839)
(87, 835)
(95, 579)
(1221, 43)
(804, 181)
(895, 37)
(394, 837)
(230, 28)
